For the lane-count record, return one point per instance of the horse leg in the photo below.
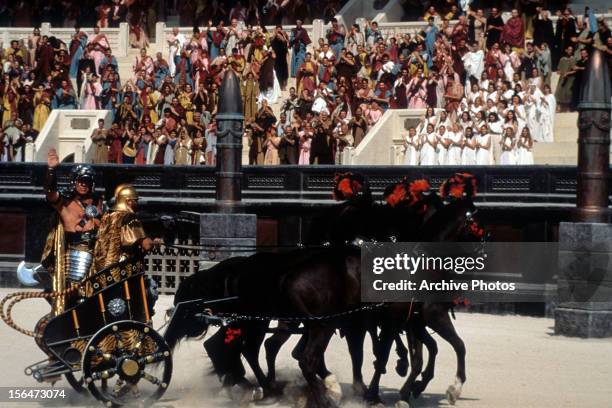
(416, 358)
(432, 350)
(310, 362)
(298, 350)
(273, 345)
(443, 325)
(355, 337)
(388, 331)
(225, 358)
(252, 343)
(401, 367)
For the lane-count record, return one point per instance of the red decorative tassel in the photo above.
(231, 335)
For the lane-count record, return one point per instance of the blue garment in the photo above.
(62, 100)
(160, 74)
(592, 21)
(337, 44)
(105, 61)
(177, 74)
(74, 63)
(140, 84)
(298, 56)
(105, 95)
(376, 35)
(169, 153)
(430, 38)
(425, 55)
(386, 95)
(214, 50)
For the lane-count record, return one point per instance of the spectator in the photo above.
(98, 137)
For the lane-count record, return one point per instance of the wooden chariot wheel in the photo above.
(127, 362)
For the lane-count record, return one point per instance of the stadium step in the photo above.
(565, 127)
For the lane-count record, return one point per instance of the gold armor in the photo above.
(120, 232)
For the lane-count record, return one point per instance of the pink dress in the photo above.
(100, 44)
(89, 97)
(417, 94)
(304, 149)
(374, 115)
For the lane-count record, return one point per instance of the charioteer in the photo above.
(121, 234)
(68, 253)
(122, 237)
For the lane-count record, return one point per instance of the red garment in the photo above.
(513, 32)
(170, 124)
(140, 157)
(491, 65)
(114, 151)
(45, 60)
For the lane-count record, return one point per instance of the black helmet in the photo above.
(85, 173)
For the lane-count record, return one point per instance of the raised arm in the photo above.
(51, 192)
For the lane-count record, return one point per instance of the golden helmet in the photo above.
(123, 194)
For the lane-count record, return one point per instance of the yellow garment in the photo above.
(152, 99)
(185, 101)
(250, 90)
(6, 116)
(41, 111)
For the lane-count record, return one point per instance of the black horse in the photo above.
(300, 284)
(311, 283)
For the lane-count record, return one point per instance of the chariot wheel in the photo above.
(76, 385)
(127, 362)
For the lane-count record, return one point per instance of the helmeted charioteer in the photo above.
(68, 253)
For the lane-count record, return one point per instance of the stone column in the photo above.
(585, 246)
(228, 232)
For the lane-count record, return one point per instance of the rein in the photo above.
(225, 319)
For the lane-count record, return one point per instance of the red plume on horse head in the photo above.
(460, 185)
(408, 192)
(348, 186)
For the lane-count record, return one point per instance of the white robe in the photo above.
(524, 156)
(548, 106)
(411, 154)
(174, 50)
(453, 157)
(271, 94)
(474, 63)
(441, 150)
(468, 154)
(428, 153)
(483, 156)
(532, 109)
(507, 157)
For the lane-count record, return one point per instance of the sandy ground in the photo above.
(511, 362)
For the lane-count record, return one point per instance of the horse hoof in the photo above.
(301, 402)
(401, 368)
(452, 394)
(359, 388)
(334, 391)
(258, 394)
(417, 388)
(402, 404)
(373, 400)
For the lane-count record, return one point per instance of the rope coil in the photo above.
(18, 297)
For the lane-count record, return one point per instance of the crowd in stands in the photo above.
(485, 83)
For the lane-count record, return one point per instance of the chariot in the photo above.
(105, 342)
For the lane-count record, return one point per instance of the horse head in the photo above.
(455, 219)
